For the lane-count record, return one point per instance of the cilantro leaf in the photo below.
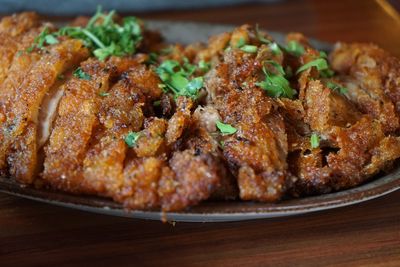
(275, 49)
(260, 36)
(225, 128)
(275, 84)
(43, 38)
(103, 94)
(337, 87)
(131, 138)
(314, 141)
(295, 48)
(249, 48)
(79, 73)
(204, 66)
(320, 64)
(102, 35)
(177, 78)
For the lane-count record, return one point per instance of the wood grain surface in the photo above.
(367, 234)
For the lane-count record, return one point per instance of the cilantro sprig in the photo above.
(275, 83)
(79, 73)
(314, 141)
(225, 128)
(131, 138)
(321, 64)
(45, 37)
(102, 35)
(177, 78)
(337, 87)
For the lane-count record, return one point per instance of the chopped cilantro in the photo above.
(314, 140)
(336, 87)
(102, 35)
(275, 84)
(249, 48)
(204, 66)
(43, 38)
(104, 94)
(241, 42)
(177, 78)
(260, 36)
(131, 138)
(275, 49)
(79, 73)
(225, 128)
(320, 64)
(294, 48)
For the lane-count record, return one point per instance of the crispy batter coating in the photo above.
(24, 100)
(78, 126)
(257, 151)
(77, 118)
(189, 179)
(372, 77)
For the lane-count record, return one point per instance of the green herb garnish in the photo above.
(275, 49)
(204, 66)
(260, 36)
(314, 141)
(102, 35)
(275, 83)
(295, 48)
(43, 38)
(336, 87)
(104, 94)
(249, 48)
(131, 138)
(320, 64)
(241, 42)
(79, 73)
(177, 78)
(225, 128)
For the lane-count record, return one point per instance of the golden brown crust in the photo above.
(179, 157)
(23, 101)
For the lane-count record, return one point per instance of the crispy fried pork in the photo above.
(164, 127)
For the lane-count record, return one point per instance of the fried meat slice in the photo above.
(372, 77)
(349, 141)
(17, 33)
(120, 112)
(326, 108)
(23, 103)
(142, 170)
(257, 151)
(191, 177)
(74, 126)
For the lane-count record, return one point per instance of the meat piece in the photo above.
(326, 108)
(257, 151)
(23, 103)
(372, 78)
(180, 120)
(17, 33)
(18, 23)
(151, 140)
(120, 113)
(140, 188)
(190, 179)
(77, 118)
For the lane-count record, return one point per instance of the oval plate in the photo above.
(185, 32)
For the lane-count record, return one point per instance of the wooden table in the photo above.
(367, 234)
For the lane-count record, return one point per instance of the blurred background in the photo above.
(375, 21)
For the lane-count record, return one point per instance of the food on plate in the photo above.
(104, 107)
